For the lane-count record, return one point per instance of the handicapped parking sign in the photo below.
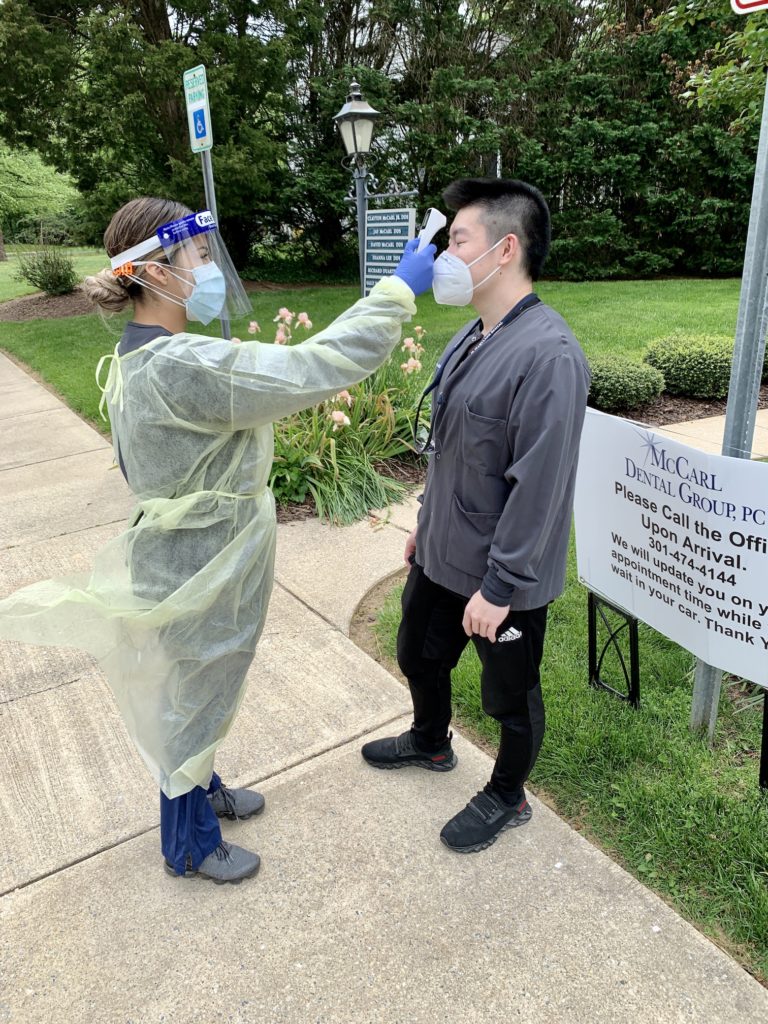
(199, 119)
(198, 110)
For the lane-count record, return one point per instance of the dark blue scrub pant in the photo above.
(189, 828)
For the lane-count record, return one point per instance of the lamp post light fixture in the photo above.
(356, 120)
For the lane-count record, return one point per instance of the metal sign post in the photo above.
(746, 371)
(360, 173)
(201, 141)
(764, 745)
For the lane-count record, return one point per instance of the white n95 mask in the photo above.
(208, 295)
(452, 284)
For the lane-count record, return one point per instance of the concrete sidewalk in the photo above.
(358, 914)
(707, 434)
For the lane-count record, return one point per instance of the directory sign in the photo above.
(386, 232)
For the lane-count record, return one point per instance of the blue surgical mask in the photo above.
(208, 295)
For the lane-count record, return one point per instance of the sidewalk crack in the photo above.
(155, 828)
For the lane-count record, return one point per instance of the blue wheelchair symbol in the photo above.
(200, 129)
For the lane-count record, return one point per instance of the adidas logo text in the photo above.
(509, 634)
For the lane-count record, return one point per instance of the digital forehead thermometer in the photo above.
(432, 223)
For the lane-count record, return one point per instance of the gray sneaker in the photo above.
(236, 804)
(227, 863)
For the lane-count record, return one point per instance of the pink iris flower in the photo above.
(411, 366)
(340, 419)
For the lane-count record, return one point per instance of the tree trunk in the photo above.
(238, 235)
(3, 255)
(155, 21)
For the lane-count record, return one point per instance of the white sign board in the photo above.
(198, 111)
(386, 232)
(678, 538)
(747, 6)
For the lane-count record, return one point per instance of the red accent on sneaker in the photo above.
(440, 757)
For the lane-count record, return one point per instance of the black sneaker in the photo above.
(482, 821)
(400, 751)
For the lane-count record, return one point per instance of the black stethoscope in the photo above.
(427, 447)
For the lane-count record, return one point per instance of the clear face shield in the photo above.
(196, 256)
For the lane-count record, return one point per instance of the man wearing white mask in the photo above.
(489, 552)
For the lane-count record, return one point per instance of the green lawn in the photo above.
(623, 316)
(606, 317)
(87, 261)
(687, 820)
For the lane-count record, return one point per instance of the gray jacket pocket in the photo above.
(483, 442)
(468, 539)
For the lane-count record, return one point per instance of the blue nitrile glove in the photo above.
(416, 268)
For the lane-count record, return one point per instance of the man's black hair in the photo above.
(507, 207)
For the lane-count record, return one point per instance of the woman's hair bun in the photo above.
(107, 291)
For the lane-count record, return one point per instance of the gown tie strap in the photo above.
(114, 385)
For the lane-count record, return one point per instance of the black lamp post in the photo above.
(356, 120)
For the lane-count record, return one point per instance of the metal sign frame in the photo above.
(195, 84)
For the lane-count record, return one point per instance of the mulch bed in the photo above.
(673, 409)
(54, 307)
(45, 307)
(295, 513)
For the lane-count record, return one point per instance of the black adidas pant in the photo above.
(430, 641)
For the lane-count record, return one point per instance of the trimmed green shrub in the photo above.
(619, 385)
(289, 262)
(50, 270)
(696, 365)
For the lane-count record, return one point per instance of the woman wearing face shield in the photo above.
(175, 605)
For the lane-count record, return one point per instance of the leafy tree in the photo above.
(30, 191)
(443, 73)
(639, 184)
(729, 75)
(460, 82)
(580, 96)
(96, 88)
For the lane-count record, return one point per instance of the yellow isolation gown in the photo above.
(175, 605)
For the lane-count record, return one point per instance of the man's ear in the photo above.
(510, 250)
